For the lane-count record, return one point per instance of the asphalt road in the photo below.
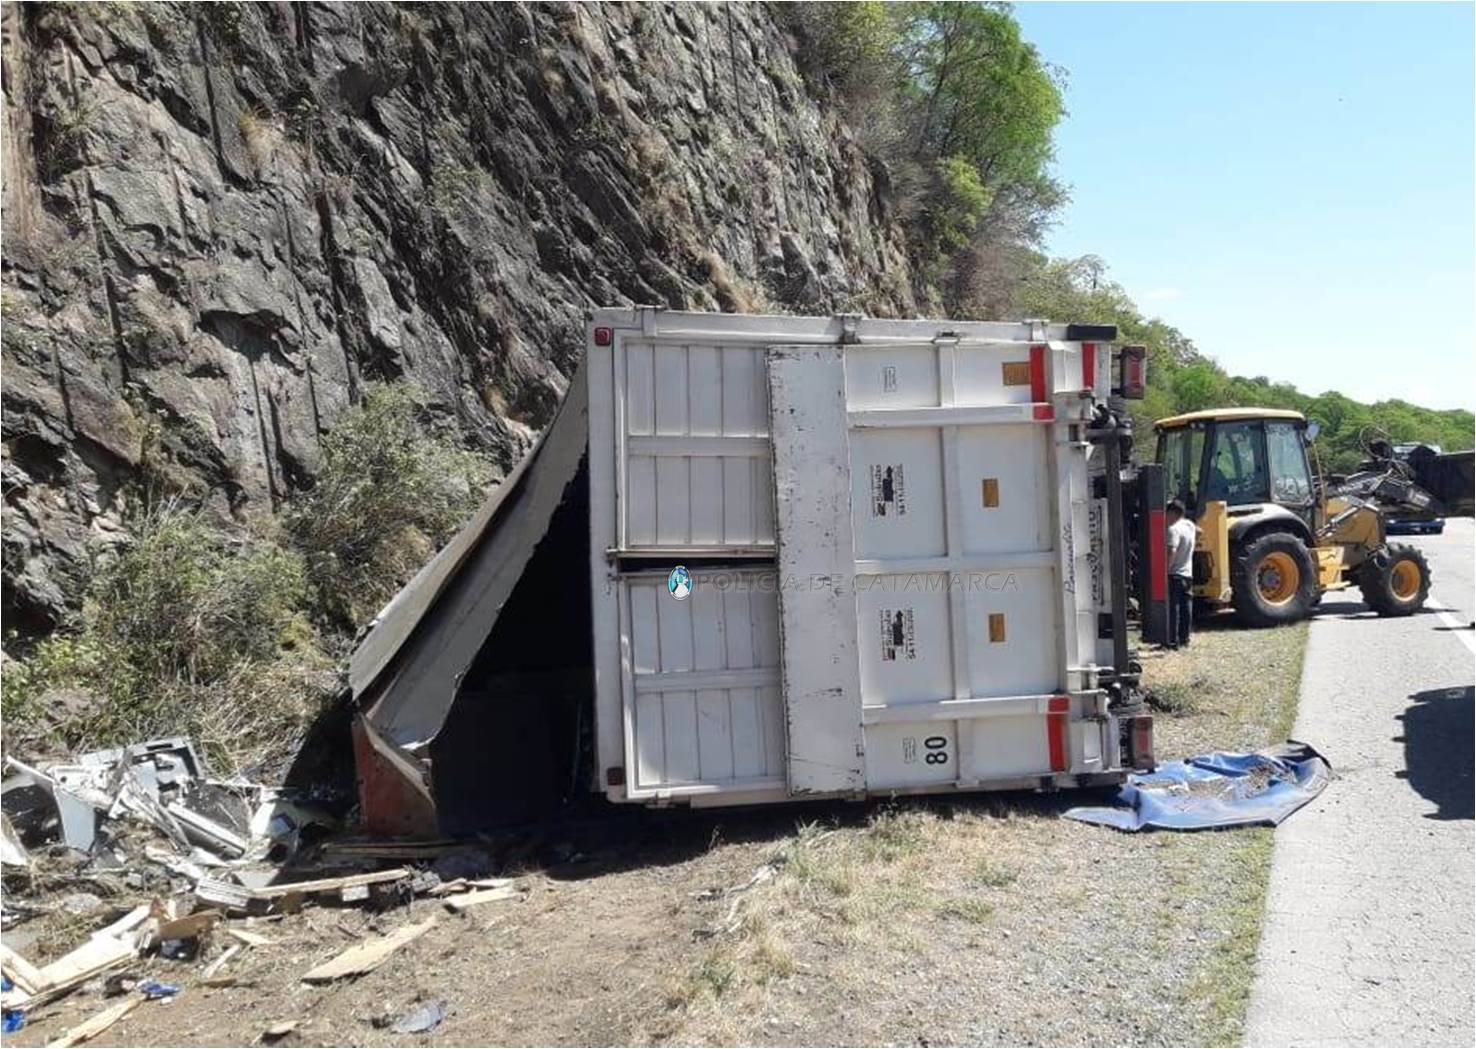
(1368, 938)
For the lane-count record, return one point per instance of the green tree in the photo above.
(961, 110)
(1181, 379)
(978, 94)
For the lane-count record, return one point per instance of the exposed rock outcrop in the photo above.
(221, 221)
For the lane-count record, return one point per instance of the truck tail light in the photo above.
(1133, 372)
(1058, 711)
(603, 336)
(1140, 742)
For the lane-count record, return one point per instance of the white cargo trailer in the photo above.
(899, 540)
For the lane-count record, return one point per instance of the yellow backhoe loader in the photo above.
(1273, 536)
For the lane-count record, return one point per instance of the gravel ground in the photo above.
(983, 921)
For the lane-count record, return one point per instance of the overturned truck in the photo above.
(756, 559)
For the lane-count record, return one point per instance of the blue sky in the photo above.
(1289, 184)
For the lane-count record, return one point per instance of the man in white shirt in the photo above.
(1181, 533)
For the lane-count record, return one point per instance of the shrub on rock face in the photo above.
(185, 603)
(387, 494)
(190, 629)
(180, 625)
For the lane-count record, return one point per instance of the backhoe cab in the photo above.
(1271, 538)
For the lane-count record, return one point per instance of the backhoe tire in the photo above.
(1396, 584)
(1273, 580)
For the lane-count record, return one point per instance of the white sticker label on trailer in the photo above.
(888, 490)
(898, 634)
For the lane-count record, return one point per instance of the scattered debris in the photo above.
(12, 852)
(731, 921)
(142, 841)
(93, 958)
(80, 903)
(20, 972)
(219, 963)
(41, 809)
(288, 895)
(418, 1021)
(249, 938)
(98, 1022)
(367, 955)
(152, 989)
(280, 1029)
(463, 884)
(461, 902)
(228, 894)
(188, 927)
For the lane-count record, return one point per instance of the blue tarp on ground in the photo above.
(1222, 789)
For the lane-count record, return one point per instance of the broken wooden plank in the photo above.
(288, 894)
(97, 1023)
(130, 921)
(330, 884)
(367, 955)
(249, 938)
(446, 888)
(90, 959)
(227, 894)
(471, 899)
(188, 926)
(21, 972)
(225, 956)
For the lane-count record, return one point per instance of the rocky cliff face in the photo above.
(222, 221)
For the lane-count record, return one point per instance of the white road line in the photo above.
(1462, 631)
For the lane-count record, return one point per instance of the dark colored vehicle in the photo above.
(1414, 525)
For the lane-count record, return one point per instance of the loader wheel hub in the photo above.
(1278, 578)
(1404, 580)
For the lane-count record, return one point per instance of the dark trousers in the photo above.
(1181, 610)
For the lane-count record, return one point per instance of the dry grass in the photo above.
(262, 135)
(733, 294)
(911, 907)
(1232, 689)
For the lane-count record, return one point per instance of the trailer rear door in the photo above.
(929, 496)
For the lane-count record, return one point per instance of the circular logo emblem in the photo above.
(679, 583)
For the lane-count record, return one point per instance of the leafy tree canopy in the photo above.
(1181, 379)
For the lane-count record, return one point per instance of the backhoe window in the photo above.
(1196, 460)
(1290, 481)
(1180, 453)
(1237, 469)
(1171, 444)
